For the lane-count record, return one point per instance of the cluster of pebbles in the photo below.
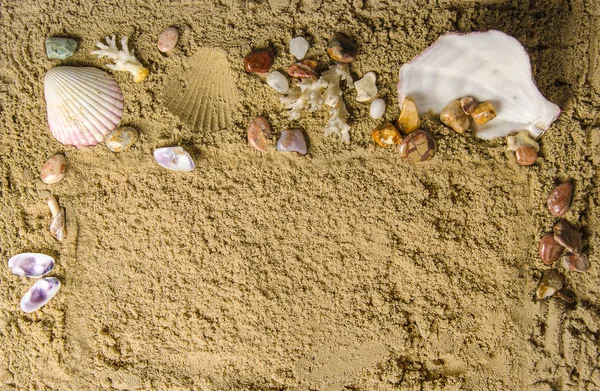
(342, 50)
(564, 243)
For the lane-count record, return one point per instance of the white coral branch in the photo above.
(124, 60)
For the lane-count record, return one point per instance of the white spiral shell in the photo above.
(84, 104)
(489, 66)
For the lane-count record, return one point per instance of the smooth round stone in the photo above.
(60, 48)
(298, 47)
(341, 48)
(377, 108)
(418, 146)
(259, 61)
(559, 199)
(278, 82)
(259, 133)
(292, 140)
(168, 39)
(121, 138)
(54, 170)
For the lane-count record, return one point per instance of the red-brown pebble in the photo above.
(559, 199)
(550, 249)
(259, 133)
(574, 262)
(302, 70)
(526, 155)
(567, 236)
(259, 61)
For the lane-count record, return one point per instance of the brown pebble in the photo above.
(259, 61)
(168, 39)
(408, 121)
(526, 155)
(259, 133)
(567, 236)
(417, 147)
(574, 262)
(483, 112)
(468, 104)
(550, 249)
(551, 282)
(386, 135)
(454, 117)
(341, 48)
(54, 170)
(559, 199)
(303, 69)
(566, 294)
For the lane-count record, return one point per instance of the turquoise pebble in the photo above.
(60, 48)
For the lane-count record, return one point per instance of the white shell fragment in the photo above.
(366, 87)
(31, 264)
(58, 227)
(84, 104)
(489, 66)
(174, 158)
(278, 82)
(377, 108)
(298, 47)
(39, 294)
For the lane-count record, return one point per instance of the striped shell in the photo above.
(84, 104)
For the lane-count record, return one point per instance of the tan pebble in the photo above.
(568, 237)
(483, 113)
(454, 117)
(303, 70)
(341, 48)
(468, 104)
(550, 249)
(559, 199)
(259, 133)
(121, 138)
(386, 135)
(574, 262)
(526, 155)
(168, 39)
(408, 121)
(551, 282)
(417, 147)
(54, 170)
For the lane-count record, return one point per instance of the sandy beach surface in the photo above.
(345, 269)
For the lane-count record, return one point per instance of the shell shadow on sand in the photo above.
(205, 96)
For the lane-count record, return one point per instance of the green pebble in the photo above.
(60, 48)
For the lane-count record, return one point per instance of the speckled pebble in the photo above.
(168, 39)
(54, 170)
(121, 138)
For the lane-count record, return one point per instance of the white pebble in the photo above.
(366, 87)
(298, 47)
(278, 82)
(377, 108)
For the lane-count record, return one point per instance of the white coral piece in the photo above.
(310, 94)
(124, 59)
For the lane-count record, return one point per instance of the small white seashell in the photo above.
(84, 104)
(174, 158)
(31, 264)
(58, 227)
(39, 294)
(278, 82)
(377, 108)
(298, 47)
(366, 87)
(489, 66)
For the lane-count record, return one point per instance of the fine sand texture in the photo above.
(346, 269)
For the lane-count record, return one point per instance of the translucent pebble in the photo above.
(168, 39)
(298, 47)
(366, 87)
(377, 108)
(278, 82)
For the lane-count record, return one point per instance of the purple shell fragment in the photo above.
(292, 140)
(31, 264)
(39, 294)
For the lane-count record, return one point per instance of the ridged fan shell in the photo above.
(207, 95)
(489, 66)
(84, 104)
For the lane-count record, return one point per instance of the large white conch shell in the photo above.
(84, 104)
(489, 66)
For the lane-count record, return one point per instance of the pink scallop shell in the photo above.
(84, 104)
